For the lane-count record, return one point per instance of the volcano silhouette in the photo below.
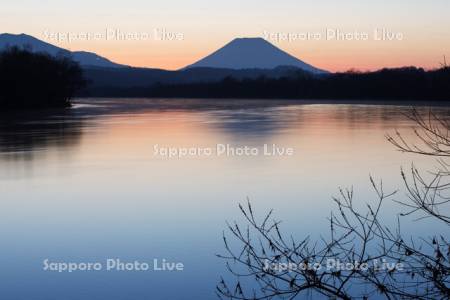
(252, 53)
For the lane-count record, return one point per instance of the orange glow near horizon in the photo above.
(334, 56)
(206, 26)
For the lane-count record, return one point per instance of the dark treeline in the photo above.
(407, 83)
(36, 80)
(399, 84)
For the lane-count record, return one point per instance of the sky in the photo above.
(332, 35)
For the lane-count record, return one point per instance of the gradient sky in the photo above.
(207, 25)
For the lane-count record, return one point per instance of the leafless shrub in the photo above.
(376, 260)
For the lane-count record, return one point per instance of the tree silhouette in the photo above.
(267, 264)
(409, 83)
(36, 80)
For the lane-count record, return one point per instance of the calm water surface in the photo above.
(85, 185)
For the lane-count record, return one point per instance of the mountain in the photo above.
(252, 53)
(36, 45)
(248, 58)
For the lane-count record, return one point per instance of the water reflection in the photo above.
(23, 134)
(244, 124)
(25, 138)
(84, 186)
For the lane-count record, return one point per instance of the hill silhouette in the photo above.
(241, 58)
(409, 83)
(33, 44)
(37, 74)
